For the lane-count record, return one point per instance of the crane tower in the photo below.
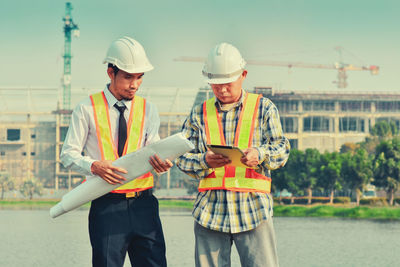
(69, 28)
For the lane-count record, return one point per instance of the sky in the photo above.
(32, 40)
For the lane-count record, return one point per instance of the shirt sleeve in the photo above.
(274, 151)
(152, 128)
(193, 163)
(74, 143)
(152, 124)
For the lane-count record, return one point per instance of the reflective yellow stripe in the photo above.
(135, 132)
(137, 120)
(215, 139)
(213, 125)
(247, 184)
(246, 122)
(216, 182)
(245, 132)
(240, 172)
(210, 183)
(103, 127)
(141, 183)
(240, 181)
(138, 183)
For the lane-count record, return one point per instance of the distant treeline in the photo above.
(374, 161)
(28, 188)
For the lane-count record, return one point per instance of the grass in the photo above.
(341, 211)
(21, 204)
(35, 203)
(179, 204)
(47, 204)
(364, 212)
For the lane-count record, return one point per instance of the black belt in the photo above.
(147, 192)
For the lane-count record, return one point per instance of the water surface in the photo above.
(31, 238)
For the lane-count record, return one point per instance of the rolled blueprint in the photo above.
(136, 163)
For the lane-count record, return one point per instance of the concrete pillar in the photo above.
(336, 126)
(373, 111)
(57, 151)
(28, 147)
(300, 119)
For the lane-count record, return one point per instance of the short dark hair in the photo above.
(115, 68)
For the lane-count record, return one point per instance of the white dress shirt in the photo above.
(82, 136)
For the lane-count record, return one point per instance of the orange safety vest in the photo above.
(230, 177)
(133, 141)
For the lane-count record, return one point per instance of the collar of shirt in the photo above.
(111, 100)
(218, 103)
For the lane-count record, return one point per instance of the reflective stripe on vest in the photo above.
(134, 137)
(230, 177)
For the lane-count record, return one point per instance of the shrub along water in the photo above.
(314, 200)
(343, 211)
(338, 211)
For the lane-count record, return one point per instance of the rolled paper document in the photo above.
(136, 163)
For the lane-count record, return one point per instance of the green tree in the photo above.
(300, 173)
(349, 147)
(6, 183)
(279, 180)
(288, 176)
(370, 144)
(329, 174)
(387, 167)
(280, 177)
(384, 129)
(357, 171)
(309, 171)
(31, 187)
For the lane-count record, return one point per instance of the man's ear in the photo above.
(244, 74)
(110, 73)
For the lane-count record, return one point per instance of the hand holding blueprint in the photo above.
(136, 163)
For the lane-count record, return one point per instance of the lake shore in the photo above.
(316, 210)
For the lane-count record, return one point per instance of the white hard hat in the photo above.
(223, 65)
(128, 55)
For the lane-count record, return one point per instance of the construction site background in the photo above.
(33, 127)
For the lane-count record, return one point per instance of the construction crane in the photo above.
(342, 68)
(69, 28)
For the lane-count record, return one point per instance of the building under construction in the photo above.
(31, 137)
(32, 129)
(327, 120)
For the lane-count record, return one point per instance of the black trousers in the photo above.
(118, 225)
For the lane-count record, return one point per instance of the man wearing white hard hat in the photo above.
(234, 204)
(108, 125)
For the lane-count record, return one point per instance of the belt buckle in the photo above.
(132, 194)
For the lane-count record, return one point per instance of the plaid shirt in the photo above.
(230, 211)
